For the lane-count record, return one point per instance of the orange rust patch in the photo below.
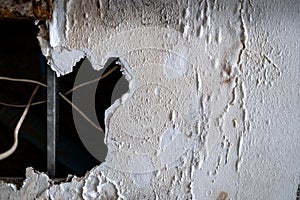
(26, 9)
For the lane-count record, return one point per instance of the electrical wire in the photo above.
(19, 124)
(42, 84)
(27, 106)
(61, 95)
(21, 105)
(23, 80)
(81, 113)
(92, 81)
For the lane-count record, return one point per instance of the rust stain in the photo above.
(222, 196)
(227, 69)
(227, 81)
(26, 9)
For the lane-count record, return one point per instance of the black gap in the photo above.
(103, 98)
(20, 57)
(68, 137)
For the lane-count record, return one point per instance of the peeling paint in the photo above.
(212, 107)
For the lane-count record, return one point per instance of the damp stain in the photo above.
(222, 196)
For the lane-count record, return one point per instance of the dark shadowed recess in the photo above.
(20, 57)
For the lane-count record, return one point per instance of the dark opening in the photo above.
(105, 89)
(20, 57)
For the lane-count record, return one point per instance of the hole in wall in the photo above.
(71, 152)
(94, 99)
(110, 88)
(97, 92)
(20, 57)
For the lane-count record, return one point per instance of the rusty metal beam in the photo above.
(25, 9)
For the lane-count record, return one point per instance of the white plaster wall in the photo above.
(213, 106)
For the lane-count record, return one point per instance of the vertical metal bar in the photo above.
(52, 120)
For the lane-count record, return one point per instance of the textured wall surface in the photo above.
(212, 110)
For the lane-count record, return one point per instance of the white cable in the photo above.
(81, 113)
(19, 124)
(13, 148)
(42, 84)
(22, 80)
(92, 81)
(21, 105)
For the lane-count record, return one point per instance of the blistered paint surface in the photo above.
(213, 106)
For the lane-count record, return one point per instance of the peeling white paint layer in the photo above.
(213, 106)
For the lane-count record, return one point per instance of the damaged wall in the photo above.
(212, 109)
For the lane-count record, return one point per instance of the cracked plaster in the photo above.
(212, 109)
